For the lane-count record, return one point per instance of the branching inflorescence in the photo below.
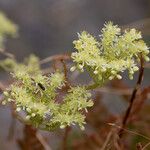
(36, 94)
(113, 54)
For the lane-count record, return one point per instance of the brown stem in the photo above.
(65, 73)
(11, 130)
(64, 144)
(43, 141)
(133, 96)
(56, 57)
(65, 69)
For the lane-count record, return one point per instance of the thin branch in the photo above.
(139, 146)
(42, 141)
(67, 83)
(133, 96)
(129, 131)
(65, 138)
(55, 57)
(92, 86)
(140, 101)
(11, 130)
(107, 140)
(115, 91)
(146, 146)
(65, 69)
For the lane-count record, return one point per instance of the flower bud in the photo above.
(111, 77)
(95, 72)
(135, 68)
(28, 117)
(119, 76)
(4, 102)
(33, 114)
(18, 109)
(62, 126)
(73, 68)
(5, 93)
(80, 66)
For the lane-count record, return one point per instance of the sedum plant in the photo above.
(36, 95)
(107, 58)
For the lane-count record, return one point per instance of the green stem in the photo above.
(92, 86)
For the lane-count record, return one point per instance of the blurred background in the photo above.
(48, 27)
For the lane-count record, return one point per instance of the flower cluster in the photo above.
(114, 53)
(35, 94)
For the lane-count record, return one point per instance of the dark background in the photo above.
(49, 26)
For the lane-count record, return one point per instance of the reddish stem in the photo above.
(133, 96)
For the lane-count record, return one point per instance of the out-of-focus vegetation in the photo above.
(7, 28)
